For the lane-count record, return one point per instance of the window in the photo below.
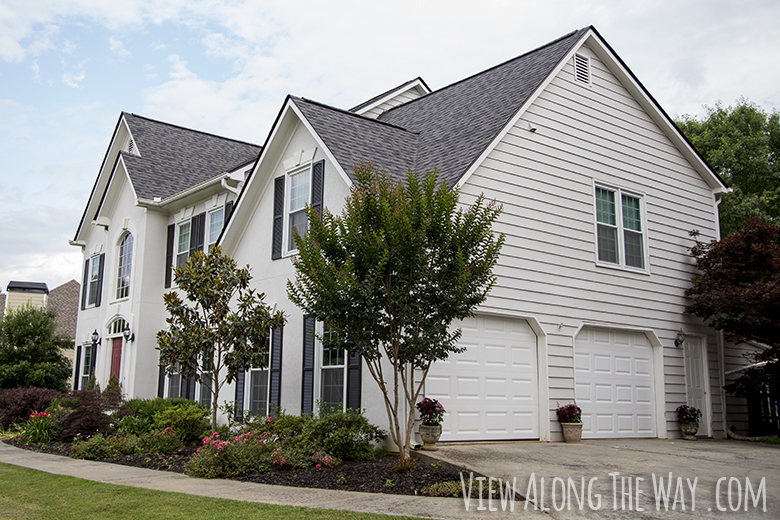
(216, 221)
(125, 266)
(95, 280)
(619, 228)
(86, 365)
(332, 373)
(205, 385)
(298, 197)
(183, 244)
(258, 388)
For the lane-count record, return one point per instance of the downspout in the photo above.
(721, 340)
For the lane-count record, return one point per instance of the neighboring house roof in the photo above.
(30, 287)
(64, 300)
(173, 159)
(447, 129)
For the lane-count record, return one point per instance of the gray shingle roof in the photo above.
(447, 129)
(33, 287)
(174, 159)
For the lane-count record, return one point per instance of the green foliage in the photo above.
(742, 144)
(39, 429)
(405, 464)
(346, 435)
(101, 447)
(389, 484)
(189, 420)
(158, 441)
(443, 489)
(83, 413)
(136, 416)
(31, 350)
(205, 338)
(16, 404)
(774, 439)
(391, 274)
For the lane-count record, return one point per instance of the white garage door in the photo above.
(490, 390)
(614, 383)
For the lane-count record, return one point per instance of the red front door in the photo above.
(116, 357)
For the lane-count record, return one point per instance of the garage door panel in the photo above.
(492, 390)
(615, 386)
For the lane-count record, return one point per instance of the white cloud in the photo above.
(36, 72)
(117, 47)
(72, 79)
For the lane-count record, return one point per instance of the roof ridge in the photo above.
(548, 44)
(347, 112)
(210, 134)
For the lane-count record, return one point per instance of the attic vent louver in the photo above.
(130, 146)
(582, 69)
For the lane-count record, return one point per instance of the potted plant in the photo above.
(689, 421)
(570, 417)
(431, 413)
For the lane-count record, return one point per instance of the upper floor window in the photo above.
(216, 222)
(95, 279)
(125, 266)
(292, 193)
(183, 244)
(620, 228)
(299, 195)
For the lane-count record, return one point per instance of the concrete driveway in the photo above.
(621, 478)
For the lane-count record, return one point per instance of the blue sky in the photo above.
(69, 67)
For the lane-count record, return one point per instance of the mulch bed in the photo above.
(375, 476)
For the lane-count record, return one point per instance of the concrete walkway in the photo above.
(705, 460)
(421, 507)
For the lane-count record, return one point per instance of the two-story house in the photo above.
(599, 191)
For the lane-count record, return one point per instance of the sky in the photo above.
(69, 67)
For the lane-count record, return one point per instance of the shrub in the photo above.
(83, 412)
(281, 425)
(39, 429)
(159, 441)
(17, 404)
(245, 454)
(101, 447)
(404, 464)
(132, 425)
(148, 408)
(189, 420)
(451, 488)
(346, 435)
(327, 461)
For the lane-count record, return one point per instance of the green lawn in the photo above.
(30, 494)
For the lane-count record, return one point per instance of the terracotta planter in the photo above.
(689, 430)
(572, 432)
(430, 435)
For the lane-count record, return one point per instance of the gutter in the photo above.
(159, 203)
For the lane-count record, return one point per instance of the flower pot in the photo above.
(572, 432)
(689, 430)
(430, 435)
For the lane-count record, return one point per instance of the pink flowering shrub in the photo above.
(431, 411)
(323, 460)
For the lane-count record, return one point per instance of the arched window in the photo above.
(125, 266)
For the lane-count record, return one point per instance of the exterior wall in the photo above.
(16, 299)
(547, 270)
(270, 276)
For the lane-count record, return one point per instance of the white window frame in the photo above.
(123, 290)
(209, 221)
(94, 280)
(319, 357)
(248, 386)
(288, 247)
(620, 229)
(84, 369)
(186, 252)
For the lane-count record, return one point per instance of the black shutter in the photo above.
(307, 393)
(354, 369)
(76, 374)
(317, 180)
(239, 404)
(169, 255)
(85, 285)
(101, 262)
(161, 382)
(228, 213)
(197, 233)
(275, 371)
(191, 388)
(276, 250)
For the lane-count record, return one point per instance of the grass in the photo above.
(774, 439)
(30, 494)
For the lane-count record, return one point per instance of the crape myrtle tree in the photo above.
(391, 274)
(737, 290)
(206, 339)
(31, 350)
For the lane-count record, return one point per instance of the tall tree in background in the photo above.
(742, 144)
(205, 339)
(391, 274)
(31, 350)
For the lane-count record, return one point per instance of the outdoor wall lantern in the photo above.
(680, 338)
(127, 333)
(95, 337)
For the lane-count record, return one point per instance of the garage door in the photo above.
(490, 390)
(614, 383)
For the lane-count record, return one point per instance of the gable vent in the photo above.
(582, 69)
(130, 146)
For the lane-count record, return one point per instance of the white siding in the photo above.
(545, 181)
(397, 99)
